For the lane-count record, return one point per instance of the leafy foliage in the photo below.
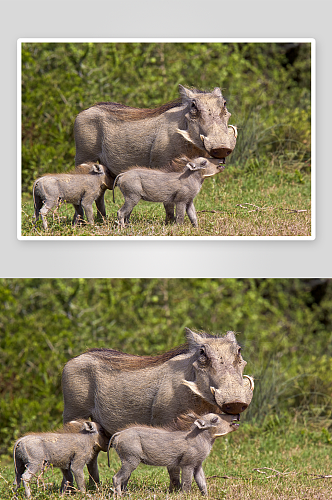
(284, 325)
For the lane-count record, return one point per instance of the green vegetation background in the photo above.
(284, 326)
(267, 87)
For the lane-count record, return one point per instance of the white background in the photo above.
(177, 19)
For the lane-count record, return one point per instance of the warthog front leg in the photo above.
(93, 471)
(200, 479)
(174, 476)
(169, 209)
(87, 205)
(79, 215)
(100, 204)
(192, 214)
(187, 477)
(180, 212)
(67, 481)
(77, 469)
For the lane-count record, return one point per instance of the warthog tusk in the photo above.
(185, 134)
(251, 381)
(202, 138)
(234, 130)
(217, 435)
(192, 386)
(213, 390)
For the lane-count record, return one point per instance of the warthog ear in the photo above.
(193, 339)
(217, 92)
(98, 168)
(230, 336)
(185, 93)
(192, 166)
(201, 424)
(89, 426)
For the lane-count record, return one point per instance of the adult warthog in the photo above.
(117, 389)
(120, 137)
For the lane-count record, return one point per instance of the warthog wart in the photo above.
(120, 136)
(81, 188)
(174, 449)
(70, 449)
(118, 389)
(177, 187)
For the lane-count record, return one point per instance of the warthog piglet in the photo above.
(175, 449)
(170, 188)
(70, 449)
(81, 188)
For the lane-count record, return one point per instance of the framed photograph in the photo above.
(166, 139)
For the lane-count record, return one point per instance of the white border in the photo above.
(312, 41)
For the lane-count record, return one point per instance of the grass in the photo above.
(293, 460)
(263, 199)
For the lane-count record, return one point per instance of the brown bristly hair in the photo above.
(123, 361)
(176, 165)
(183, 422)
(129, 113)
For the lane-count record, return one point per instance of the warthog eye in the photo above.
(193, 109)
(204, 162)
(214, 420)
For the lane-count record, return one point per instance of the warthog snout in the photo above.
(220, 152)
(234, 408)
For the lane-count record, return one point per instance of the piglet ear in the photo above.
(200, 424)
(98, 168)
(89, 426)
(191, 166)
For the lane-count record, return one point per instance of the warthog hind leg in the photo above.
(126, 209)
(122, 477)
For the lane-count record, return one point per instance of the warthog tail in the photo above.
(114, 184)
(110, 443)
